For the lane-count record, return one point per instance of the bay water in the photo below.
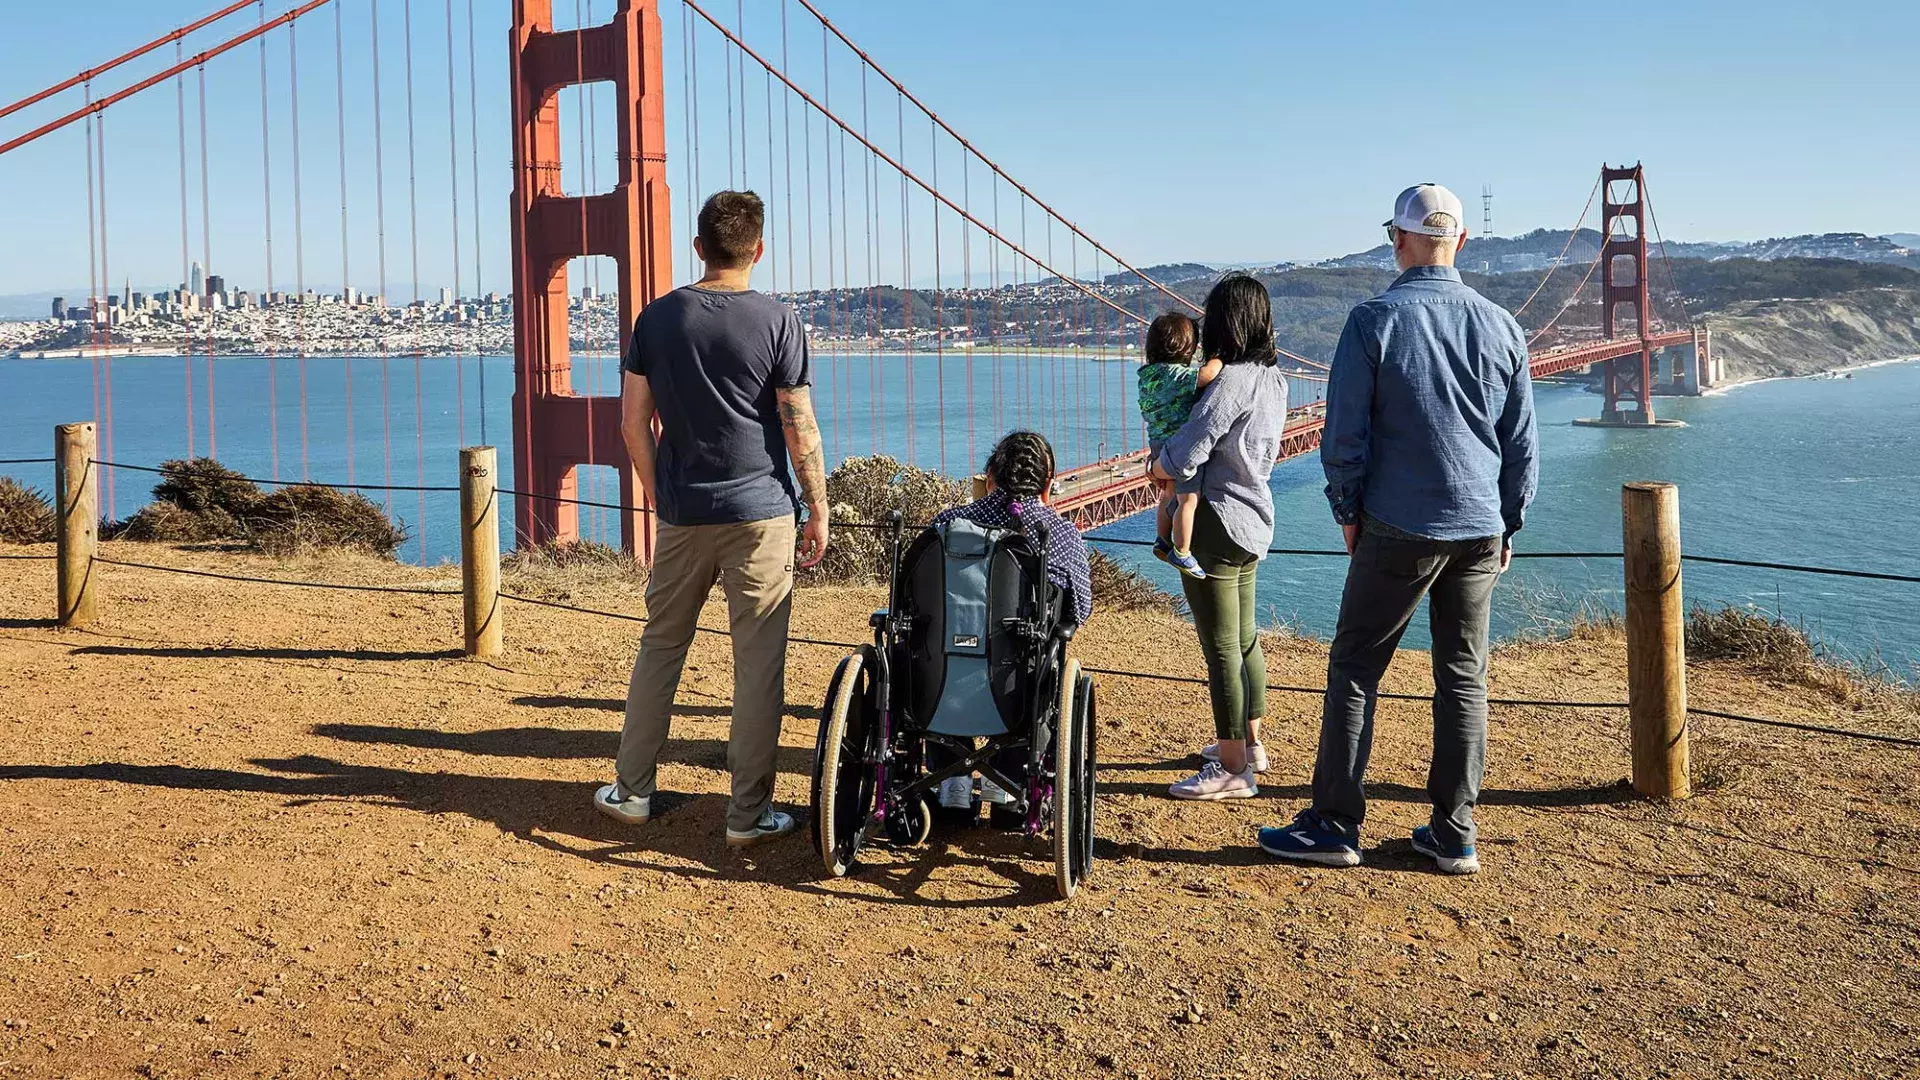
(1821, 471)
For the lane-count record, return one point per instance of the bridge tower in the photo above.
(556, 430)
(1623, 280)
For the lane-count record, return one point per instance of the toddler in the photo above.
(1169, 385)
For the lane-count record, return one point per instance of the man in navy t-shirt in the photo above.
(724, 370)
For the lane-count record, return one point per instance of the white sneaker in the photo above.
(1256, 755)
(1213, 782)
(994, 793)
(613, 801)
(956, 793)
(773, 825)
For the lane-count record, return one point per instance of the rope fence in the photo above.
(480, 590)
(239, 479)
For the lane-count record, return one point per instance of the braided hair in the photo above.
(1021, 465)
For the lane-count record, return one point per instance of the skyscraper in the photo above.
(59, 309)
(197, 283)
(216, 284)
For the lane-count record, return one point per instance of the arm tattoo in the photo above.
(803, 445)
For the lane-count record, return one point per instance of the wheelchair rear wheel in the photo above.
(1073, 782)
(843, 779)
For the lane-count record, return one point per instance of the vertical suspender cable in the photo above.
(413, 228)
(473, 152)
(106, 280)
(876, 313)
(939, 312)
(380, 234)
(266, 321)
(346, 258)
(843, 391)
(835, 331)
(186, 256)
(906, 267)
(786, 134)
(95, 294)
(590, 183)
(966, 295)
(206, 250)
(299, 245)
(453, 191)
(740, 58)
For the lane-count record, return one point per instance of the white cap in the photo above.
(1417, 203)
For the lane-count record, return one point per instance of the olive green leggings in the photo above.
(1224, 616)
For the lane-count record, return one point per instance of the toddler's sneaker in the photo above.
(1214, 782)
(1450, 860)
(1256, 755)
(614, 801)
(1162, 549)
(1184, 562)
(773, 825)
(1309, 840)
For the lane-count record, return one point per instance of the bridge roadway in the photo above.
(1106, 491)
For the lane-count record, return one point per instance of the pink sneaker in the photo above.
(1214, 782)
(1256, 755)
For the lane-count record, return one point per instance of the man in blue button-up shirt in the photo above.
(1431, 458)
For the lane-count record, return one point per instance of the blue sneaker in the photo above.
(1308, 840)
(1460, 860)
(1184, 562)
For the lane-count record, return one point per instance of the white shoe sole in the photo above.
(1449, 864)
(614, 811)
(738, 840)
(1214, 796)
(1330, 858)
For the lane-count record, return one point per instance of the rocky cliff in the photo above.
(1761, 339)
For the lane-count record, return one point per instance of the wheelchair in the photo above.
(973, 646)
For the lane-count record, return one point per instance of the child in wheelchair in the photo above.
(1019, 484)
(969, 674)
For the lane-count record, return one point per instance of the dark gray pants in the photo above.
(1386, 580)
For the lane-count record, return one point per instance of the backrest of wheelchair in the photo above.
(967, 670)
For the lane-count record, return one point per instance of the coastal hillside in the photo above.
(1767, 338)
(252, 830)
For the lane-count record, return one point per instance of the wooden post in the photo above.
(480, 551)
(1656, 639)
(79, 522)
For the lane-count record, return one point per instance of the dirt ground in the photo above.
(250, 830)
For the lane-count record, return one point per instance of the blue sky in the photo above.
(1234, 130)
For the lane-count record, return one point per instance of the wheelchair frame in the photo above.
(885, 764)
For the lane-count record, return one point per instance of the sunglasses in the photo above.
(1393, 234)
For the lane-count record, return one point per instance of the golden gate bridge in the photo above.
(900, 236)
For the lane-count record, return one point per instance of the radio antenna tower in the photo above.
(1486, 210)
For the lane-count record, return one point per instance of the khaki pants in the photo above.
(753, 562)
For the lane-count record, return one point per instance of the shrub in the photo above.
(307, 517)
(26, 515)
(860, 492)
(219, 497)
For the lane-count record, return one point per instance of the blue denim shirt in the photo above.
(1430, 412)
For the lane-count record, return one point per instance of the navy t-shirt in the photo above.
(714, 360)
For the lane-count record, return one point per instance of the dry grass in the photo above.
(1775, 648)
(555, 567)
(26, 515)
(1119, 588)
